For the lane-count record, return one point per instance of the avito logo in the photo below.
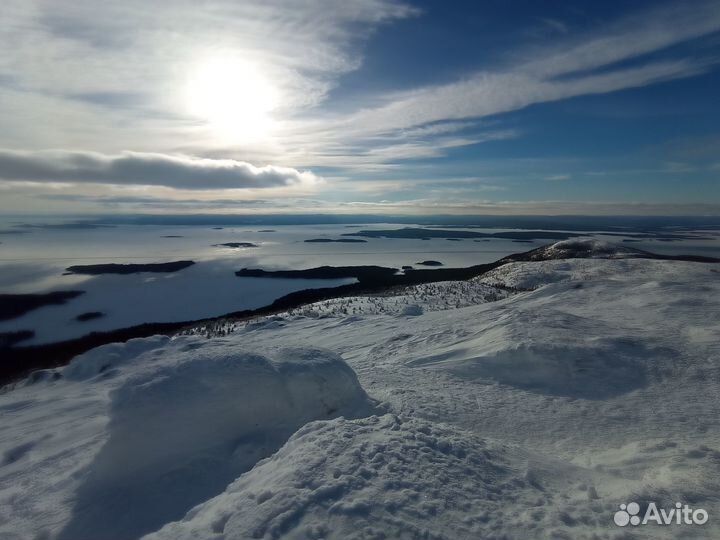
(629, 514)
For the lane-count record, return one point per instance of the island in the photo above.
(89, 316)
(113, 268)
(430, 263)
(455, 235)
(237, 245)
(15, 305)
(341, 240)
(361, 273)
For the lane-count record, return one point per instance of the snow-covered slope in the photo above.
(554, 392)
(128, 437)
(581, 248)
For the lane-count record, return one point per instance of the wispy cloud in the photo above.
(145, 49)
(608, 60)
(599, 208)
(555, 25)
(491, 93)
(633, 36)
(557, 177)
(102, 75)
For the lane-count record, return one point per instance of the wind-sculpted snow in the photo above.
(180, 431)
(183, 420)
(588, 247)
(526, 403)
(514, 350)
(109, 359)
(375, 478)
(584, 248)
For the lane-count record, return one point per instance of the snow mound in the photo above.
(598, 372)
(374, 478)
(526, 275)
(108, 358)
(550, 353)
(582, 248)
(182, 429)
(585, 245)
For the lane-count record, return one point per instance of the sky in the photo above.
(360, 106)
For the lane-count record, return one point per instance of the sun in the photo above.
(234, 97)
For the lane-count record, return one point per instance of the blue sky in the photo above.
(371, 106)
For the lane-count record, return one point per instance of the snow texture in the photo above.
(529, 403)
(182, 421)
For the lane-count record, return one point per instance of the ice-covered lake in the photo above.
(34, 260)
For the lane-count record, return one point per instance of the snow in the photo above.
(412, 310)
(528, 403)
(172, 423)
(386, 474)
(587, 247)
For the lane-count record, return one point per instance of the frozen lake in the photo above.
(33, 260)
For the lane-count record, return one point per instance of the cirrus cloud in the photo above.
(145, 169)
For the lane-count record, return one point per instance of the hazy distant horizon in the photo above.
(573, 221)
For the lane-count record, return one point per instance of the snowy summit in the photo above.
(531, 412)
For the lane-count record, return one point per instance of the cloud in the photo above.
(132, 42)
(555, 25)
(633, 36)
(488, 94)
(614, 58)
(145, 169)
(109, 76)
(113, 77)
(557, 177)
(534, 208)
(162, 202)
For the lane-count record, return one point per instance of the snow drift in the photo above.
(181, 430)
(360, 479)
(566, 355)
(185, 419)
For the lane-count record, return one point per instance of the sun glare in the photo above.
(234, 97)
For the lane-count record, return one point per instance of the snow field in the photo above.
(554, 392)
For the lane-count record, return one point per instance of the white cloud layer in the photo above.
(135, 168)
